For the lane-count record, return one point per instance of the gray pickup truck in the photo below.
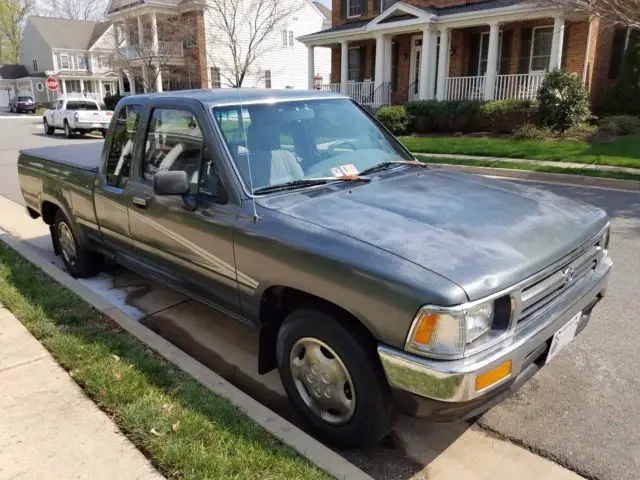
(378, 284)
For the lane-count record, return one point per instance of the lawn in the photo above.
(186, 430)
(531, 167)
(623, 152)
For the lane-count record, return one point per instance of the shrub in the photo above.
(580, 132)
(111, 101)
(620, 124)
(530, 131)
(563, 100)
(394, 118)
(624, 97)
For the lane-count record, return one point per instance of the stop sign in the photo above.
(52, 83)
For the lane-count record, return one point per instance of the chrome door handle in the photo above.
(139, 202)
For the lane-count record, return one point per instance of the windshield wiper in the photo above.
(309, 182)
(390, 163)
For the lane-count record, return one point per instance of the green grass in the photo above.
(186, 430)
(623, 152)
(40, 111)
(531, 167)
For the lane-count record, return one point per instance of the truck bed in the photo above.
(85, 156)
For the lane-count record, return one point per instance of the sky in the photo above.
(327, 3)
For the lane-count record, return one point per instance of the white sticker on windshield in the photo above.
(349, 169)
(336, 172)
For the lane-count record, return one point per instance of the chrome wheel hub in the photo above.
(67, 243)
(322, 380)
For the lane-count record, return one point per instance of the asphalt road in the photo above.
(582, 409)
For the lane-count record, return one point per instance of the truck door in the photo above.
(56, 115)
(192, 247)
(111, 193)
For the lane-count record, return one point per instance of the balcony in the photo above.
(145, 50)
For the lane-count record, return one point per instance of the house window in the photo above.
(541, 49)
(356, 70)
(354, 8)
(82, 62)
(35, 65)
(267, 79)
(484, 52)
(104, 61)
(64, 61)
(215, 77)
(287, 38)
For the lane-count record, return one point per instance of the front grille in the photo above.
(568, 275)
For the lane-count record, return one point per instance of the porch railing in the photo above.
(330, 87)
(81, 96)
(365, 93)
(523, 86)
(145, 50)
(464, 88)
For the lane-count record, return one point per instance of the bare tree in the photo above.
(13, 15)
(74, 9)
(613, 12)
(242, 33)
(141, 60)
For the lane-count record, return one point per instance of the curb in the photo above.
(286, 432)
(564, 178)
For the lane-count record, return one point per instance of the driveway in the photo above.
(580, 410)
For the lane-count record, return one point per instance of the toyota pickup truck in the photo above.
(378, 285)
(77, 116)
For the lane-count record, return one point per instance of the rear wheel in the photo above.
(79, 261)
(48, 129)
(67, 130)
(104, 133)
(334, 379)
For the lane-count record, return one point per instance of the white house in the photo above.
(75, 52)
(196, 61)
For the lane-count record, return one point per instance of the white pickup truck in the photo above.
(77, 116)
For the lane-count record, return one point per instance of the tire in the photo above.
(103, 133)
(48, 129)
(67, 130)
(367, 410)
(80, 262)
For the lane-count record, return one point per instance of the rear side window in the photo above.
(121, 148)
(72, 105)
(90, 106)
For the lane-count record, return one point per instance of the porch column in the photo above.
(121, 83)
(154, 32)
(443, 64)
(64, 87)
(311, 69)
(380, 60)
(344, 66)
(425, 64)
(387, 69)
(433, 64)
(132, 84)
(158, 78)
(557, 43)
(140, 30)
(82, 86)
(100, 89)
(492, 61)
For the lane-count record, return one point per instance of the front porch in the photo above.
(497, 54)
(84, 86)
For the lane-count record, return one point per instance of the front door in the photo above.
(414, 82)
(187, 241)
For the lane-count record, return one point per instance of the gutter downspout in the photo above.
(587, 52)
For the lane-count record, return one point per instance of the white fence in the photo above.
(365, 93)
(519, 86)
(464, 88)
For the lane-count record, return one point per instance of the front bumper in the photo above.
(454, 381)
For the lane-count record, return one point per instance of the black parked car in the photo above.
(22, 104)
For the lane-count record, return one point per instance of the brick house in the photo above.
(389, 52)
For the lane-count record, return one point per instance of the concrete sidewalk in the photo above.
(49, 429)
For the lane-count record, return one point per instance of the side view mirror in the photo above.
(171, 183)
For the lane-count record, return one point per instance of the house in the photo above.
(77, 53)
(386, 52)
(15, 81)
(173, 44)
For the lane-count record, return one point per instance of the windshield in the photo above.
(289, 141)
(24, 99)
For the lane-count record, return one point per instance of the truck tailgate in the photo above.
(94, 116)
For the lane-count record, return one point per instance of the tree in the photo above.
(140, 59)
(242, 34)
(615, 12)
(13, 15)
(74, 9)
(624, 97)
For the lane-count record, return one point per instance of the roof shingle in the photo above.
(69, 34)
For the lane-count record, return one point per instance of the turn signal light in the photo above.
(425, 328)
(493, 376)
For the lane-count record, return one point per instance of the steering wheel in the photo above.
(341, 144)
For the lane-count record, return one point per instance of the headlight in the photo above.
(445, 332)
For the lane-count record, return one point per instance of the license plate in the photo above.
(564, 336)
(95, 125)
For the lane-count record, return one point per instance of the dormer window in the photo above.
(355, 8)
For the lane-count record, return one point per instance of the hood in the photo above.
(483, 234)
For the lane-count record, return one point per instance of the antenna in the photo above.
(246, 145)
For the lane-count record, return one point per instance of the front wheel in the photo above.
(334, 379)
(104, 133)
(48, 129)
(79, 261)
(67, 130)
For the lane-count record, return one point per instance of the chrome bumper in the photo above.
(454, 380)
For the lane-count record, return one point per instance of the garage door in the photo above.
(4, 98)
